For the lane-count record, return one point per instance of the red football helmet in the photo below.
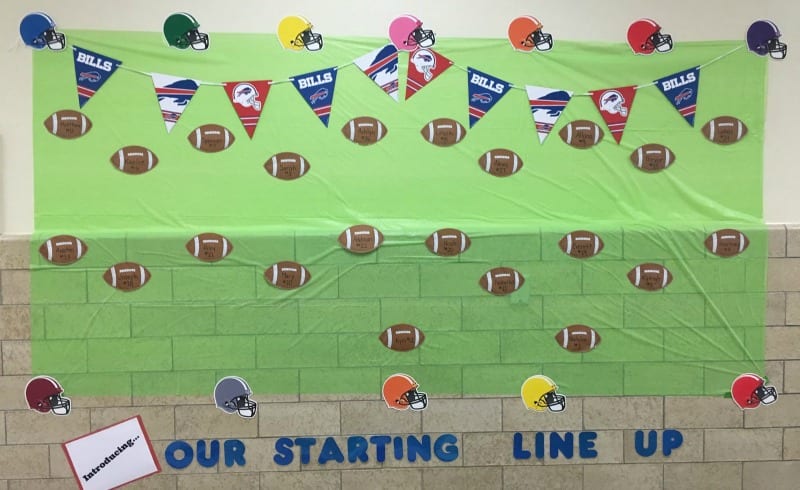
(748, 391)
(44, 395)
(400, 392)
(644, 37)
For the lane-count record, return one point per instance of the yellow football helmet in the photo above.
(294, 32)
(539, 392)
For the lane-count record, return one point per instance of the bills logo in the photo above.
(319, 95)
(684, 95)
(551, 104)
(90, 76)
(483, 98)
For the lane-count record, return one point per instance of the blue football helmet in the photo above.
(39, 31)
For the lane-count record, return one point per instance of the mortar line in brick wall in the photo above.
(783, 444)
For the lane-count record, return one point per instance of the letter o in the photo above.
(186, 460)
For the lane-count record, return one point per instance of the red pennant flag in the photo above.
(615, 105)
(248, 100)
(423, 66)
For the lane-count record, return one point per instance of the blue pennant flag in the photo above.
(91, 72)
(681, 90)
(484, 92)
(317, 89)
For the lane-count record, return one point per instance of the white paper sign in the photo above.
(112, 456)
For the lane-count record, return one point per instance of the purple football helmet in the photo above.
(762, 38)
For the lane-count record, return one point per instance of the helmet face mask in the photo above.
(198, 40)
(777, 49)
(311, 40)
(553, 401)
(423, 38)
(54, 40)
(542, 40)
(59, 405)
(661, 42)
(243, 405)
(416, 400)
(766, 394)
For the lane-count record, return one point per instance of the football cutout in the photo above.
(63, 249)
(501, 281)
(724, 130)
(211, 138)
(581, 244)
(448, 242)
(361, 239)
(364, 130)
(727, 242)
(287, 166)
(126, 276)
(581, 134)
(443, 132)
(652, 157)
(209, 247)
(68, 124)
(578, 338)
(134, 160)
(500, 162)
(402, 337)
(650, 277)
(287, 275)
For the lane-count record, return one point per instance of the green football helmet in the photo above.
(180, 31)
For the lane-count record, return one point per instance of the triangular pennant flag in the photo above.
(248, 101)
(424, 65)
(547, 105)
(174, 94)
(681, 90)
(91, 72)
(615, 105)
(316, 88)
(381, 66)
(484, 92)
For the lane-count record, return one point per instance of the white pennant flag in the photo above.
(174, 94)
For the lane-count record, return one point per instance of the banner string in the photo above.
(511, 85)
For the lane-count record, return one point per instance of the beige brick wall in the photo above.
(722, 448)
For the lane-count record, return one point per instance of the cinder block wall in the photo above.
(722, 448)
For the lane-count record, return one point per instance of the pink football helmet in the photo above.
(407, 34)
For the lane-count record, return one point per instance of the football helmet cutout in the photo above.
(749, 391)
(43, 394)
(407, 34)
(644, 37)
(294, 32)
(400, 393)
(180, 31)
(525, 34)
(38, 31)
(232, 395)
(762, 39)
(539, 393)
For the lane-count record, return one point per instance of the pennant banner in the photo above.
(91, 72)
(681, 90)
(381, 66)
(424, 65)
(615, 105)
(484, 92)
(316, 88)
(248, 101)
(547, 105)
(174, 94)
